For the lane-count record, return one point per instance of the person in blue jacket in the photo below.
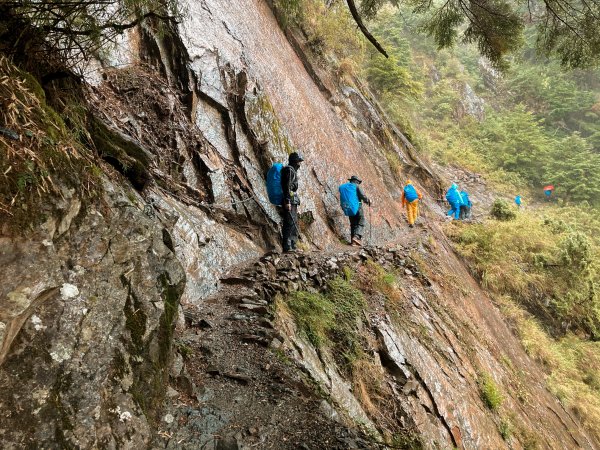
(455, 200)
(518, 200)
(465, 207)
(357, 221)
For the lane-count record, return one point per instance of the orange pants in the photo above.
(412, 211)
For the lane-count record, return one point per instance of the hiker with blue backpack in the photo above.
(455, 200)
(465, 207)
(282, 189)
(518, 201)
(410, 199)
(351, 199)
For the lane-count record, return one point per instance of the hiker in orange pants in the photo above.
(410, 199)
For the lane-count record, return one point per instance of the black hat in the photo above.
(295, 157)
(354, 178)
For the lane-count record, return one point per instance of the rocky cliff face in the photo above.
(187, 124)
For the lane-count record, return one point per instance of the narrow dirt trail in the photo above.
(241, 380)
(233, 363)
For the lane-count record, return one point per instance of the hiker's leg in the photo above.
(294, 232)
(412, 212)
(353, 225)
(286, 230)
(454, 210)
(361, 223)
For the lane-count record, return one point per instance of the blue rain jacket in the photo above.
(466, 201)
(453, 196)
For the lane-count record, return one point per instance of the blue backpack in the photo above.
(410, 193)
(349, 199)
(274, 190)
(453, 196)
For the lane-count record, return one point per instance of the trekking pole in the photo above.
(370, 227)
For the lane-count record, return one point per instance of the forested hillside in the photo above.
(531, 125)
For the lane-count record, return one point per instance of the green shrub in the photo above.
(548, 265)
(506, 429)
(501, 210)
(289, 12)
(331, 319)
(576, 251)
(314, 315)
(490, 392)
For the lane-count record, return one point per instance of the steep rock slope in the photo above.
(193, 122)
(431, 340)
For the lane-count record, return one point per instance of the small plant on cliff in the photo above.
(331, 319)
(506, 429)
(349, 306)
(38, 153)
(330, 31)
(314, 315)
(501, 210)
(490, 392)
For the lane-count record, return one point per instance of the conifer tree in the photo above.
(569, 29)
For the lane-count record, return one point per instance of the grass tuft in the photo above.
(490, 392)
(40, 154)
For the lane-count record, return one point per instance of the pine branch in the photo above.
(364, 29)
(118, 27)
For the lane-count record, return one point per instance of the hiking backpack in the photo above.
(349, 199)
(410, 193)
(274, 189)
(453, 196)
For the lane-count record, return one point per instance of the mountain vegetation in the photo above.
(73, 30)
(533, 124)
(494, 87)
(523, 121)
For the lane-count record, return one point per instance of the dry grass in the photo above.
(332, 30)
(572, 364)
(547, 264)
(37, 148)
(368, 380)
(331, 33)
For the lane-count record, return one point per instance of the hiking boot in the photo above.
(290, 250)
(356, 241)
(410, 225)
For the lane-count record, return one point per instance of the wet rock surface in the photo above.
(89, 320)
(272, 389)
(90, 300)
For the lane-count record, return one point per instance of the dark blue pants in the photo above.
(290, 228)
(357, 223)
